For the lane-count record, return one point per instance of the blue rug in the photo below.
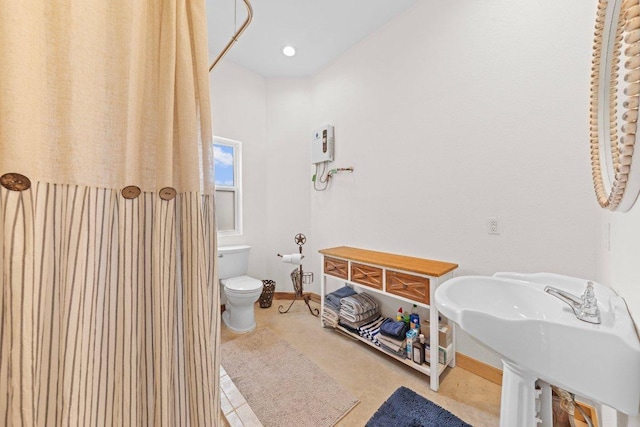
(405, 408)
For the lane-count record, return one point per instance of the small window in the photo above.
(226, 156)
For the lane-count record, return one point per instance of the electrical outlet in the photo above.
(492, 225)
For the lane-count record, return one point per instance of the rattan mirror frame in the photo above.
(615, 184)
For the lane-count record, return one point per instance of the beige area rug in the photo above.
(281, 385)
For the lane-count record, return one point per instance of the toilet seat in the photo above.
(242, 285)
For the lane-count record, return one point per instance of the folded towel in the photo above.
(371, 329)
(393, 341)
(393, 344)
(345, 291)
(358, 304)
(348, 327)
(331, 304)
(394, 329)
(400, 353)
(336, 296)
(329, 322)
(387, 320)
(330, 314)
(356, 325)
(373, 323)
(359, 317)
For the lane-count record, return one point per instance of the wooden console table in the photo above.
(410, 279)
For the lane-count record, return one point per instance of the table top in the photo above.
(427, 267)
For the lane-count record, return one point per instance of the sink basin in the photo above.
(511, 314)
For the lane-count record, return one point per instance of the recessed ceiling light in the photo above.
(289, 51)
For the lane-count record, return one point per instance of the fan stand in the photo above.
(299, 278)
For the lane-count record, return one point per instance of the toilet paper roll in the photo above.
(295, 259)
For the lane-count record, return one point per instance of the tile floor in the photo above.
(368, 373)
(236, 410)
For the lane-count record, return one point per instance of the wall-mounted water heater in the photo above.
(322, 145)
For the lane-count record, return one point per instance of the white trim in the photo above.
(237, 181)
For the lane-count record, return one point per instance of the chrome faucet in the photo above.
(585, 307)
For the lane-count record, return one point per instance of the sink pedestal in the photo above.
(520, 399)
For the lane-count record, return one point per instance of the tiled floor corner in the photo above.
(236, 410)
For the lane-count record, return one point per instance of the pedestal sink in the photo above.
(538, 337)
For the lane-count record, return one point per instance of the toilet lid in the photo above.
(242, 284)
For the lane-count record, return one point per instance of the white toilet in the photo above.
(241, 291)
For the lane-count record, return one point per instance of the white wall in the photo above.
(456, 112)
(621, 270)
(271, 120)
(238, 108)
(450, 114)
(288, 156)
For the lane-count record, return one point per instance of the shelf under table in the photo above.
(425, 369)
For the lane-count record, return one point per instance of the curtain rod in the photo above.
(235, 37)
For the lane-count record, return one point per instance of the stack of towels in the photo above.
(360, 313)
(358, 310)
(331, 311)
(392, 337)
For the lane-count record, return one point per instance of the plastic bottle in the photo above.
(399, 315)
(414, 318)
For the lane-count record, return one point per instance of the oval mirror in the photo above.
(615, 92)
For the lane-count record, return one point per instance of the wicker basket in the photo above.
(268, 287)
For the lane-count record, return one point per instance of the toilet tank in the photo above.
(233, 261)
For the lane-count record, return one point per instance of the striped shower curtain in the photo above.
(103, 320)
(109, 303)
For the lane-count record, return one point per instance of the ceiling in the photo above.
(320, 30)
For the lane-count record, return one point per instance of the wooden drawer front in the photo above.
(336, 267)
(408, 286)
(366, 275)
